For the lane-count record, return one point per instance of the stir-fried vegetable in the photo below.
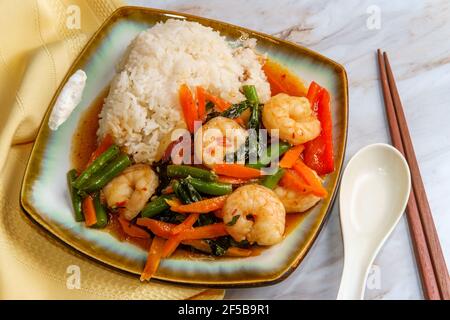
(192, 193)
(251, 94)
(292, 180)
(231, 180)
(236, 171)
(282, 80)
(211, 188)
(188, 106)
(165, 230)
(272, 180)
(90, 216)
(75, 197)
(106, 174)
(235, 110)
(104, 145)
(95, 166)
(203, 206)
(159, 228)
(170, 217)
(183, 171)
(132, 230)
(100, 212)
(219, 103)
(205, 232)
(155, 206)
(273, 152)
(182, 210)
(201, 103)
(310, 177)
(153, 259)
(291, 156)
(318, 153)
(185, 191)
(173, 242)
(186, 224)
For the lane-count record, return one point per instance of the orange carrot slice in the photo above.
(203, 206)
(160, 228)
(131, 230)
(90, 217)
(310, 177)
(236, 171)
(188, 106)
(201, 103)
(293, 181)
(205, 232)
(153, 259)
(220, 104)
(186, 224)
(173, 202)
(282, 80)
(291, 156)
(174, 241)
(231, 180)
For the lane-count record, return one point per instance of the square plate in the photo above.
(44, 193)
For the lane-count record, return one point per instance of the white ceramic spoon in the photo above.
(374, 191)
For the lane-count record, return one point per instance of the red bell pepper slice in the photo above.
(318, 154)
(314, 91)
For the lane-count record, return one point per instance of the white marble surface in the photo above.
(416, 35)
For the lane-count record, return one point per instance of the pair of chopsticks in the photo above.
(430, 260)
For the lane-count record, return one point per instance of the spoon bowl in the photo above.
(374, 191)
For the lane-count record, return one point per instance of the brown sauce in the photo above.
(84, 142)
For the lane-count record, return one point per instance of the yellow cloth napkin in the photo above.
(39, 39)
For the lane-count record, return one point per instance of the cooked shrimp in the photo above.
(219, 136)
(294, 201)
(293, 117)
(131, 190)
(260, 215)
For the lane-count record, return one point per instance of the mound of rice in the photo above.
(142, 108)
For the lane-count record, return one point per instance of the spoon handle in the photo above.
(354, 277)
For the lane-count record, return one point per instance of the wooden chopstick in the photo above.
(426, 271)
(434, 247)
(430, 260)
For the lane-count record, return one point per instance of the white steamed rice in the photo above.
(142, 107)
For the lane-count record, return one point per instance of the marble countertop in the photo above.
(416, 35)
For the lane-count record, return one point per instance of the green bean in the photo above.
(251, 94)
(193, 194)
(100, 212)
(272, 180)
(270, 154)
(184, 171)
(180, 192)
(212, 188)
(114, 167)
(235, 110)
(95, 166)
(155, 206)
(75, 197)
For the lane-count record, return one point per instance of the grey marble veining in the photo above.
(416, 35)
